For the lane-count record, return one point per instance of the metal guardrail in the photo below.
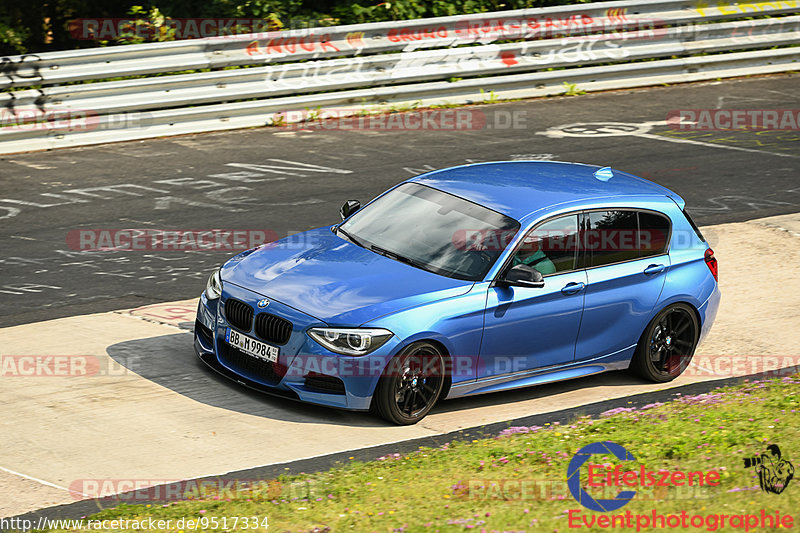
(429, 61)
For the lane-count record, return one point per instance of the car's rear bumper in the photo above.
(708, 312)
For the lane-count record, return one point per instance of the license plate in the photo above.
(250, 346)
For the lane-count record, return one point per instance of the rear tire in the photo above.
(667, 344)
(411, 384)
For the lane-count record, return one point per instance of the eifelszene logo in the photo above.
(574, 476)
(603, 476)
(774, 472)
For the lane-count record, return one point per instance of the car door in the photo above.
(626, 264)
(528, 328)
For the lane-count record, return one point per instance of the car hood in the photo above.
(336, 281)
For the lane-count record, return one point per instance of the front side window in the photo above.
(432, 230)
(551, 247)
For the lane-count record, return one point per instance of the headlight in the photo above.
(214, 286)
(351, 341)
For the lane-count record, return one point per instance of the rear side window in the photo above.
(610, 237)
(653, 234)
(615, 236)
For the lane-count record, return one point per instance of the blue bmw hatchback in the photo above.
(467, 280)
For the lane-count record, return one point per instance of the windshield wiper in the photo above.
(398, 257)
(350, 237)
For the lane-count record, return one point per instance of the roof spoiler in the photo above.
(678, 200)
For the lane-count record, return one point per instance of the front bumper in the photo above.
(304, 371)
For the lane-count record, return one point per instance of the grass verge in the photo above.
(515, 481)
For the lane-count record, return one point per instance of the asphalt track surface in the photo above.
(289, 181)
(286, 181)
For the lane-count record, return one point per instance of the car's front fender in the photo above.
(456, 323)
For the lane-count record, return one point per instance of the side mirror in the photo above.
(349, 207)
(524, 276)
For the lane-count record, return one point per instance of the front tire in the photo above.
(411, 384)
(667, 345)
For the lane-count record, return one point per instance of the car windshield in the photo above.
(432, 230)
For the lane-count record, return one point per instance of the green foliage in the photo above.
(13, 38)
(278, 120)
(571, 89)
(490, 98)
(149, 22)
(401, 108)
(313, 114)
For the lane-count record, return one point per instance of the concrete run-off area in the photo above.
(143, 408)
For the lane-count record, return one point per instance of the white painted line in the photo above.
(700, 143)
(632, 129)
(31, 165)
(36, 479)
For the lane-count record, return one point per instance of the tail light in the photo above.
(711, 261)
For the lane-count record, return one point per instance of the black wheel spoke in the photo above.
(413, 401)
(685, 325)
(406, 399)
(655, 352)
(671, 365)
(428, 388)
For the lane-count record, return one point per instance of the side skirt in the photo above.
(618, 360)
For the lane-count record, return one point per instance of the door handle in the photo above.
(654, 269)
(572, 288)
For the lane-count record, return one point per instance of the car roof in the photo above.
(519, 188)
